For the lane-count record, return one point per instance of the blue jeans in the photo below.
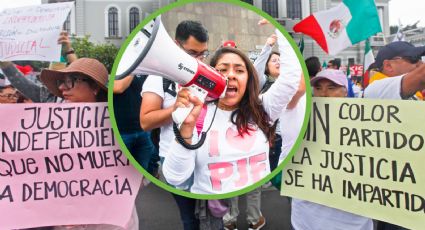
(186, 207)
(140, 146)
(187, 212)
(275, 151)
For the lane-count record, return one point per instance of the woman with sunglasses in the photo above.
(235, 153)
(82, 81)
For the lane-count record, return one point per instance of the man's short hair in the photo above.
(313, 65)
(188, 28)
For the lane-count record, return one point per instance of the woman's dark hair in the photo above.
(313, 65)
(250, 111)
(102, 95)
(267, 71)
(21, 97)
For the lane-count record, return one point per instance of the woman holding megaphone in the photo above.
(239, 125)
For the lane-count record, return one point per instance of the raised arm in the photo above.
(413, 82)
(28, 88)
(67, 49)
(286, 85)
(261, 61)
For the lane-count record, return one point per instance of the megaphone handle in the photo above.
(180, 114)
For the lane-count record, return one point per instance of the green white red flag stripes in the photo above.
(368, 56)
(342, 26)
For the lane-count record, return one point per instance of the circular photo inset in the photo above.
(207, 91)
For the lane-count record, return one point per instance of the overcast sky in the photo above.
(408, 11)
(18, 3)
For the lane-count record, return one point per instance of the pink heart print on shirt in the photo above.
(244, 143)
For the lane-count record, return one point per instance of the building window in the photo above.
(113, 22)
(67, 24)
(351, 62)
(134, 18)
(294, 9)
(270, 7)
(248, 1)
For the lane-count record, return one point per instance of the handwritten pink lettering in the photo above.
(24, 19)
(10, 49)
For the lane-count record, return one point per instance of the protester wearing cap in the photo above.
(404, 72)
(401, 63)
(306, 215)
(330, 83)
(82, 81)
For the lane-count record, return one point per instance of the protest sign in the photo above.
(365, 157)
(356, 70)
(31, 33)
(60, 165)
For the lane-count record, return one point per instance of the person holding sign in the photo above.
(403, 78)
(235, 153)
(28, 88)
(307, 215)
(67, 50)
(84, 80)
(159, 97)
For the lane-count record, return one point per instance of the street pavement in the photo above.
(157, 210)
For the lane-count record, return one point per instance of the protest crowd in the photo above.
(249, 131)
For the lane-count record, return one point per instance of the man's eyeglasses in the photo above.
(69, 81)
(195, 54)
(410, 59)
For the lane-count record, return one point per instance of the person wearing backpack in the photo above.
(159, 102)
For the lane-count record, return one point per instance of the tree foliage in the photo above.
(105, 53)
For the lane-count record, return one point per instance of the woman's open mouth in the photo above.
(231, 91)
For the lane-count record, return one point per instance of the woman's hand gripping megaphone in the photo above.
(182, 112)
(187, 100)
(188, 106)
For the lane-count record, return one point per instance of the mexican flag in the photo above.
(368, 56)
(301, 44)
(368, 60)
(340, 27)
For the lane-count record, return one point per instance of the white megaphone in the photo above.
(152, 51)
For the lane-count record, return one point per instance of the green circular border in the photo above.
(195, 195)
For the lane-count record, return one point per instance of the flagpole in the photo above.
(364, 62)
(364, 57)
